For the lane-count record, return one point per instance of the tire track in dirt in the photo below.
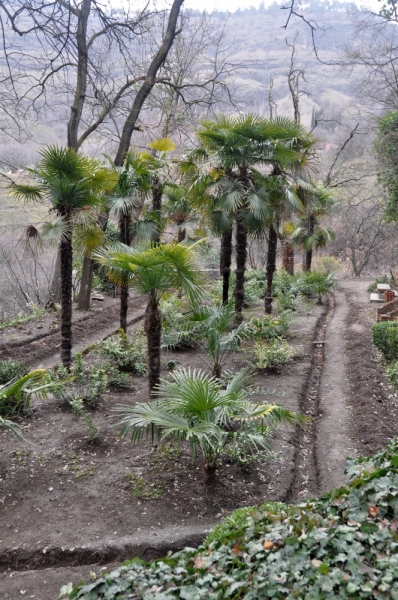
(306, 477)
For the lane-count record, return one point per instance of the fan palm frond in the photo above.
(196, 407)
(163, 145)
(12, 427)
(53, 232)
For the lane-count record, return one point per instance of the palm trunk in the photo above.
(210, 473)
(66, 256)
(181, 235)
(241, 254)
(55, 291)
(157, 191)
(288, 257)
(308, 254)
(83, 301)
(271, 267)
(153, 331)
(225, 264)
(125, 223)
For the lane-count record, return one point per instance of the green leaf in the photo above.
(324, 569)
(369, 528)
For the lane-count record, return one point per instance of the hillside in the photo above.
(255, 41)
(259, 39)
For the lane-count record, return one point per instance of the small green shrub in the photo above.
(385, 338)
(12, 405)
(118, 379)
(142, 488)
(269, 327)
(327, 264)
(255, 286)
(290, 285)
(290, 291)
(392, 374)
(10, 369)
(129, 354)
(373, 286)
(320, 283)
(178, 332)
(273, 354)
(78, 407)
(87, 383)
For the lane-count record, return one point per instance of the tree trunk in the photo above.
(66, 253)
(288, 257)
(225, 264)
(241, 254)
(271, 267)
(181, 235)
(150, 81)
(153, 331)
(55, 290)
(124, 236)
(308, 254)
(124, 307)
(210, 472)
(157, 192)
(81, 75)
(83, 301)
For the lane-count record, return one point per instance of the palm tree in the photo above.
(196, 407)
(240, 144)
(16, 394)
(74, 185)
(179, 209)
(317, 202)
(220, 337)
(153, 273)
(159, 166)
(321, 283)
(202, 180)
(283, 199)
(128, 197)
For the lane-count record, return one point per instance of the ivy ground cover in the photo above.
(343, 545)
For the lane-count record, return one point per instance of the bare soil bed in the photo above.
(37, 342)
(66, 502)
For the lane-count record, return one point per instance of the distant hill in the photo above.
(258, 38)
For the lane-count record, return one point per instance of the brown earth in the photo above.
(68, 506)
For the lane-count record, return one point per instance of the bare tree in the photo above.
(363, 236)
(199, 77)
(71, 38)
(372, 58)
(294, 76)
(25, 277)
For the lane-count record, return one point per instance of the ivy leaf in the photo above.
(369, 528)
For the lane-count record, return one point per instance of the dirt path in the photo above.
(338, 381)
